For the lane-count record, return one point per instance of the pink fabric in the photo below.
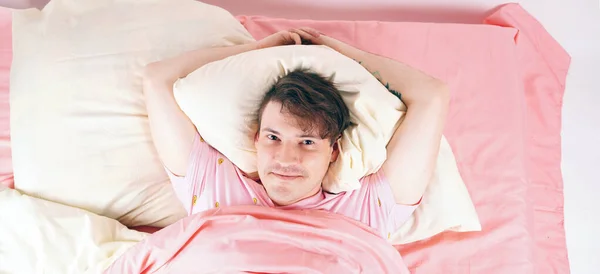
(507, 81)
(544, 65)
(214, 181)
(256, 239)
(6, 172)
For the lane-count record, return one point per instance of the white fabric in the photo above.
(38, 236)
(221, 99)
(78, 121)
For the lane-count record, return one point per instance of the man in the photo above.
(300, 120)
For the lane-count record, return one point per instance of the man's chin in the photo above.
(279, 193)
(280, 201)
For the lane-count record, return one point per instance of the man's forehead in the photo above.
(279, 120)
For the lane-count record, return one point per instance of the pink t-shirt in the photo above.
(212, 180)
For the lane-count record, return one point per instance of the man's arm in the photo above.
(172, 131)
(413, 149)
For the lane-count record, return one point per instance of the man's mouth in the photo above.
(286, 176)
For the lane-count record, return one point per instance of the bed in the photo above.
(509, 158)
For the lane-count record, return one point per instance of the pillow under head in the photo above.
(222, 99)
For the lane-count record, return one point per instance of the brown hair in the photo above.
(313, 99)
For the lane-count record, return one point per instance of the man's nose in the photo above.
(288, 154)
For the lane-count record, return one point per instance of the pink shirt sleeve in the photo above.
(184, 186)
(374, 205)
(398, 213)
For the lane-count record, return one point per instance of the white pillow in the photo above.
(221, 99)
(79, 127)
(39, 236)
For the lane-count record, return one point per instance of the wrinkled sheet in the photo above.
(6, 173)
(262, 240)
(507, 80)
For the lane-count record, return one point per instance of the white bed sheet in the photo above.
(576, 25)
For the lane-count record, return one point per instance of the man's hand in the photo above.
(313, 37)
(280, 38)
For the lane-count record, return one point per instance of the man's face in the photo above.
(291, 162)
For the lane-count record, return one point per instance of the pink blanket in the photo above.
(252, 239)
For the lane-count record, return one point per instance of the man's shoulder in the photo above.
(375, 179)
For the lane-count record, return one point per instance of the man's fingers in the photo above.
(311, 31)
(296, 38)
(306, 36)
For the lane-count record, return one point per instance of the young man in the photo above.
(300, 120)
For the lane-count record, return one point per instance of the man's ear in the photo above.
(335, 152)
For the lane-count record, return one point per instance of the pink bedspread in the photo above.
(6, 174)
(252, 239)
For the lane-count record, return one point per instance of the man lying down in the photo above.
(300, 119)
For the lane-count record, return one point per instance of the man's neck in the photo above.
(318, 191)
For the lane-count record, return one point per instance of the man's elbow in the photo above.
(441, 92)
(413, 194)
(151, 71)
(154, 77)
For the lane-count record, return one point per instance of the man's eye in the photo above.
(308, 142)
(272, 137)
